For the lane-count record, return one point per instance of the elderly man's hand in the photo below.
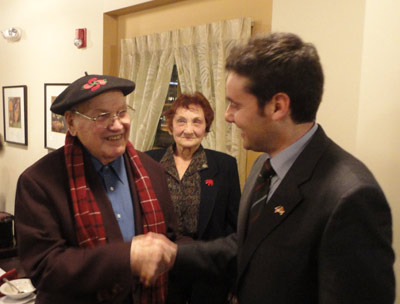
(151, 255)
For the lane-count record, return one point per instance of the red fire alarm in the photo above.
(80, 38)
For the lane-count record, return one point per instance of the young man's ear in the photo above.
(69, 118)
(279, 106)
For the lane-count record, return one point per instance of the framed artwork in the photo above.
(15, 114)
(55, 126)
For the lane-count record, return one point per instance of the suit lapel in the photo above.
(209, 190)
(280, 206)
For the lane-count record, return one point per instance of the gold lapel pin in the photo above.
(280, 210)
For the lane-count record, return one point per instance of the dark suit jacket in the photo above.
(61, 271)
(331, 242)
(219, 203)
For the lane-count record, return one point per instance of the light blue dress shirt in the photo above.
(115, 181)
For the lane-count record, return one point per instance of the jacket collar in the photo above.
(282, 202)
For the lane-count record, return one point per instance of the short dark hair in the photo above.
(281, 62)
(185, 100)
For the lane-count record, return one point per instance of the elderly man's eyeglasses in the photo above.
(105, 119)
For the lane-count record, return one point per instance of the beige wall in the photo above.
(378, 140)
(45, 54)
(336, 29)
(112, 5)
(359, 48)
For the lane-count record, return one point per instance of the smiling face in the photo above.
(256, 125)
(189, 127)
(104, 143)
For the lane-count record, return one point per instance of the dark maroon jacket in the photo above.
(61, 271)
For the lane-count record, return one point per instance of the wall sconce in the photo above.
(80, 38)
(12, 34)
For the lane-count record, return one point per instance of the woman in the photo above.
(205, 190)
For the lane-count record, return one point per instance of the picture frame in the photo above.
(15, 114)
(55, 126)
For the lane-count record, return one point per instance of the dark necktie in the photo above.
(261, 190)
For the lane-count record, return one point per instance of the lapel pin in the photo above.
(279, 209)
(209, 182)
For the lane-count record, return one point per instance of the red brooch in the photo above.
(94, 83)
(209, 182)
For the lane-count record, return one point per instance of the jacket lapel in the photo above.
(282, 202)
(209, 190)
(279, 207)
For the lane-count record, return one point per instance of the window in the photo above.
(163, 138)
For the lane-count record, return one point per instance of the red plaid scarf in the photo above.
(89, 223)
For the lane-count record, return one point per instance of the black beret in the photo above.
(88, 87)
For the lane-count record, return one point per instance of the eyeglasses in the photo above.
(106, 118)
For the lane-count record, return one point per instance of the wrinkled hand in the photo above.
(151, 255)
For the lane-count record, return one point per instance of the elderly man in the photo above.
(314, 226)
(79, 208)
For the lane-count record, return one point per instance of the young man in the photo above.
(81, 210)
(323, 231)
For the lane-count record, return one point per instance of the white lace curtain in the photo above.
(199, 53)
(148, 61)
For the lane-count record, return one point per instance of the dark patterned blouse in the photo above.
(185, 193)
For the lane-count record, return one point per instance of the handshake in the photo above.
(151, 255)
